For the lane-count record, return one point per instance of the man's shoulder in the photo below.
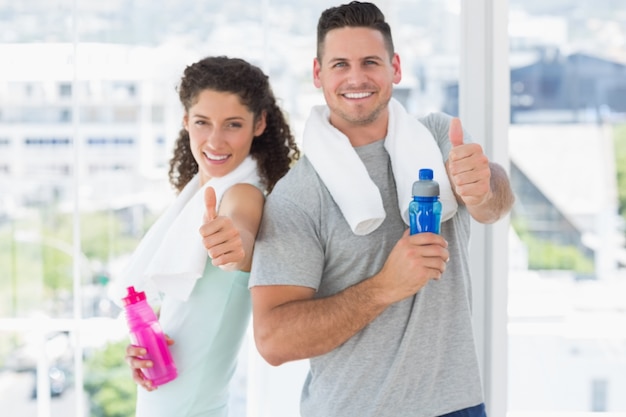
(301, 173)
(298, 185)
(435, 121)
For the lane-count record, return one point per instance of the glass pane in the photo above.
(35, 161)
(88, 118)
(36, 244)
(567, 310)
(24, 356)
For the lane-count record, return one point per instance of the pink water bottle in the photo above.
(145, 331)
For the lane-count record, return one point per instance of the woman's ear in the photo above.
(186, 122)
(261, 124)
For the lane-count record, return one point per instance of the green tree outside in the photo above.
(620, 164)
(112, 391)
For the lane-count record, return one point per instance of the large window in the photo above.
(567, 147)
(89, 113)
(88, 117)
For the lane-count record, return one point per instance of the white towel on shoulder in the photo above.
(411, 147)
(171, 256)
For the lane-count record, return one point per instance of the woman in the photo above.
(234, 146)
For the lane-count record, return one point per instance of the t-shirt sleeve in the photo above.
(439, 125)
(287, 250)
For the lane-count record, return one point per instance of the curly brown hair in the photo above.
(274, 150)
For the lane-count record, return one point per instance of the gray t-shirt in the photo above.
(418, 357)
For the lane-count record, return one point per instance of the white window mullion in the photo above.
(484, 111)
(79, 400)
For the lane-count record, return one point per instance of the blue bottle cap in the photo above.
(426, 186)
(426, 174)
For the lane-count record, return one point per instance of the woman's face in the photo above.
(221, 130)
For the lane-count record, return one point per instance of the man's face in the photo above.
(356, 75)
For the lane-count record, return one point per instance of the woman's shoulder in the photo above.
(241, 195)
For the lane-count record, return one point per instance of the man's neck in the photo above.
(361, 135)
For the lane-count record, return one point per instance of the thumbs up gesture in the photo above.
(220, 236)
(468, 168)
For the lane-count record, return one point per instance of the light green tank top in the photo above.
(208, 331)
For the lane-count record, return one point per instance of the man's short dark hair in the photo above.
(353, 14)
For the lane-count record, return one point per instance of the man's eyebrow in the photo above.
(372, 57)
(365, 58)
(337, 59)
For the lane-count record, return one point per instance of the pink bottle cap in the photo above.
(133, 296)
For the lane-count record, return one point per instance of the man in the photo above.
(385, 317)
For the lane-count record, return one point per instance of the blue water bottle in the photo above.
(425, 209)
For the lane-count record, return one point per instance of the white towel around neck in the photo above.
(411, 147)
(171, 256)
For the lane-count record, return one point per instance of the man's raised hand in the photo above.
(468, 168)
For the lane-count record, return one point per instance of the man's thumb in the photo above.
(456, 132)
(210, 203)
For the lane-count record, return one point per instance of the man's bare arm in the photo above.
(290, 324)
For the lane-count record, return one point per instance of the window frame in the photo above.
(484, 109)
(484, 102)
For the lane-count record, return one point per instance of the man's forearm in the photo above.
(306, 328)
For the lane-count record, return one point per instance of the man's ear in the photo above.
(317, 67)
(397, 70)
